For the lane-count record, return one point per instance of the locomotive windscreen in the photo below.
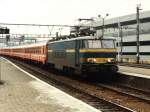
(108, 43)
(99, 43)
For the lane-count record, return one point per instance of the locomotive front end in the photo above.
(98, 55)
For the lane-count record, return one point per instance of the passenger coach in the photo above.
(35, 52)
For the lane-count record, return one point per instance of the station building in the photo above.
(124, 30)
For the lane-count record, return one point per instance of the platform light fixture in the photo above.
(103, 23)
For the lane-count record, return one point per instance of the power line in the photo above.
(47, 25)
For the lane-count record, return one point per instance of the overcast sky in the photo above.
(64, 11)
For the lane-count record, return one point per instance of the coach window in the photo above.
(27, 50)
(34, 50)
(38, 50)
(43, 50)
(31, 50)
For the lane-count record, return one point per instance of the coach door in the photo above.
(77, 58)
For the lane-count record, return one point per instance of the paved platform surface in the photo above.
(139, 72)
(23, 93)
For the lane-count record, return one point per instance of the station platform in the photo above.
(134, 71)
(22, 92)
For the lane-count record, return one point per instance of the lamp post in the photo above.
(103, 23)
(121, 40)
(60, 30)
(137, 31)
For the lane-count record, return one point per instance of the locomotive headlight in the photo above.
(109, 60)
(91, 60)
(94, 60)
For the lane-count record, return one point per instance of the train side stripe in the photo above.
(97, 50)
(70, 50)
(50, 50)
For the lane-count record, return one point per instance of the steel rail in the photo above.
(131, 92)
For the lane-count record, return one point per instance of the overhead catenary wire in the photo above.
(47, 25)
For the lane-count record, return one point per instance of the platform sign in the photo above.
(4, 31)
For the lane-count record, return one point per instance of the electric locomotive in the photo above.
(83, 54)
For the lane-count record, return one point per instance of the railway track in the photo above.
(130, 91)
(94, 95)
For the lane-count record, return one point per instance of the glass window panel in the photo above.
(108, 43)
(92, 44)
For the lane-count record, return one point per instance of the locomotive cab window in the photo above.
(92, 44)
(108, 44)
(98, 44)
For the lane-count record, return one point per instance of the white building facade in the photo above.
(112, 27)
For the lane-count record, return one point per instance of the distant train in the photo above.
(80, 55)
